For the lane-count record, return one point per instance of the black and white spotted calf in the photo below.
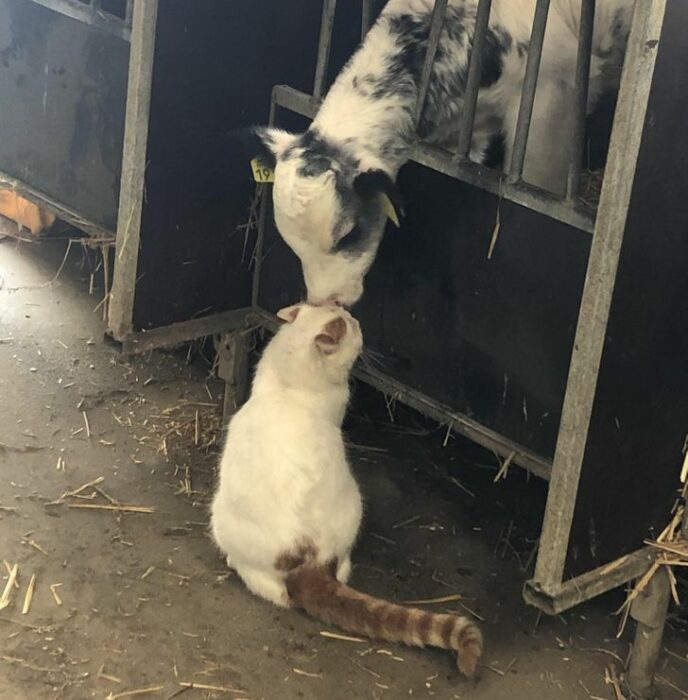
(328, 180)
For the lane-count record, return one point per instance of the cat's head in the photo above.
(330, 208)
(327, 337)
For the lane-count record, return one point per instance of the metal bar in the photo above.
(263, 215)
(587, 21)
(458, 422)
(366, 17)
(81, 12)
(324, 47)
(475, 65)
(129, 13)
(573, 213)
(525, 109)
(588, 345)
(443, 414)
(232, 367)
(649, 610)
(564, 596)
(143, 341)
(436, 23)
(60, 210)
(121, 309)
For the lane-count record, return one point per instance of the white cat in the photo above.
(287, 509)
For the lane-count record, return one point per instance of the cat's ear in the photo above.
(289, 313)
(331, 335)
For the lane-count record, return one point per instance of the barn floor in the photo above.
(145, 599)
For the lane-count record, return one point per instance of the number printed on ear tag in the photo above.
(262, 173)
(389, 210)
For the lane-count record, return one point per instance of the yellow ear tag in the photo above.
(389, 210)
(262, 173)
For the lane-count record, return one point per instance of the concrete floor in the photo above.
(146, 602)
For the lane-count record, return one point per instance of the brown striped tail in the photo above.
(317, 591)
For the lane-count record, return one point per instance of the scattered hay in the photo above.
(138, 691)
(308, 674)
(432, 601)
(211, 688)
(120, 507)
(176, 428)
(342, 637)
(29, 595)
(112, 503)
(53, 590)
(5, 598)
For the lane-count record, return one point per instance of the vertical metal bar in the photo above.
(366, 17)
(141, 53)
(324, 47)
(649, 610)
(436, 23)
(587, 21)
(525, 109)
(591, 331)
(129, 12)
(475, 65)
(262, 220)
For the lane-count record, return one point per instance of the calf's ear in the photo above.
(371, 183)
(264, 143)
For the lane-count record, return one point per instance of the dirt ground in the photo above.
(141, 600)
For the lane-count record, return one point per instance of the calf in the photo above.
(334, 183)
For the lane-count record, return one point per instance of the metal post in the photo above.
(587, 21)
(121, 307)
(437, 21)
(262, 219)
(366, 17)
(475, 65)
(596, 301)
(232, 366)
(525, 109)
(324, 47)
(649, 610)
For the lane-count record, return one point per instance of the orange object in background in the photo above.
(25, 213)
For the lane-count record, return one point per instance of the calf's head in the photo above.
(330, 207)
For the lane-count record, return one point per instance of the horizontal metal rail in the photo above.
(137, 342)
(475, 65)
(61, 211)
(443, 414)
(587, 20)
(572, 213)
(525, 109)
(324, 47)
(436, 23)
(92, 15)
(568, 594)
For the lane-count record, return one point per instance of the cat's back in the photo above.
(273, 436)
